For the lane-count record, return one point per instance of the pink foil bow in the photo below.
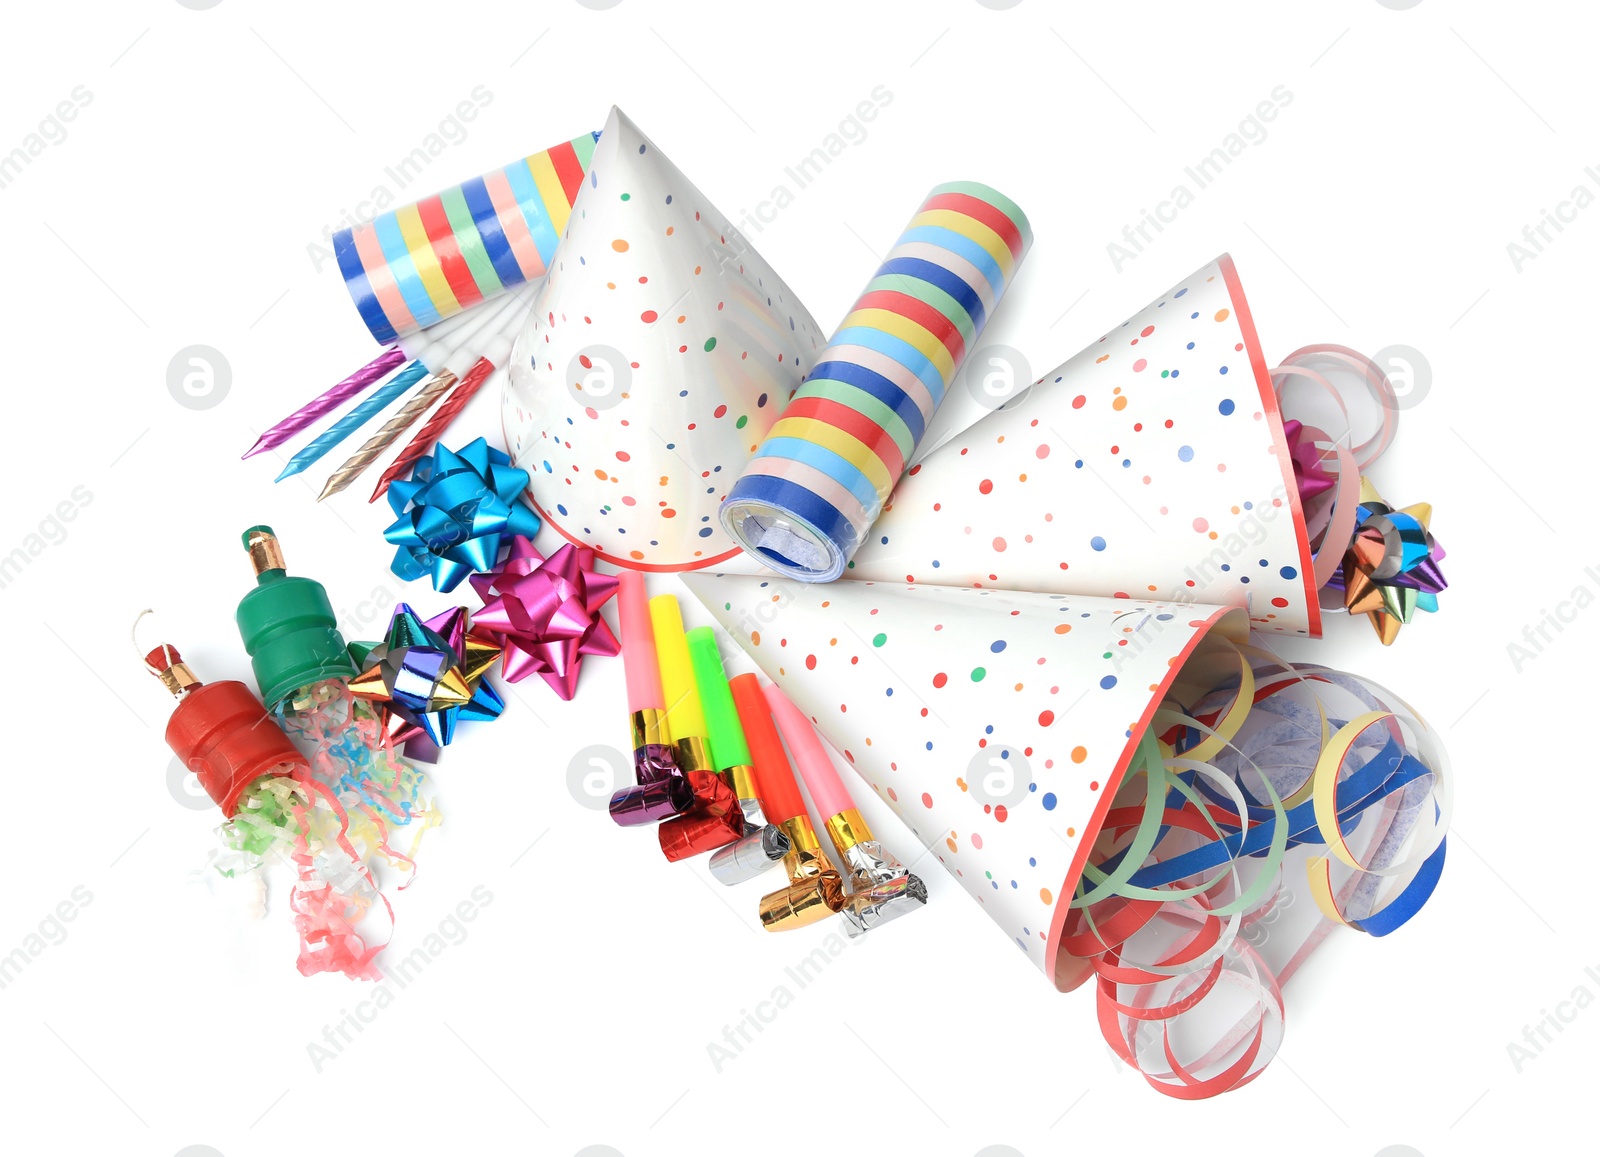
(1311, 478)
(545, 612)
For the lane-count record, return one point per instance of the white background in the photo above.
(577, 1012)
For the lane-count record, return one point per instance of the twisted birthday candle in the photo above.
(435, 345)
(495, 353)
(461, 358)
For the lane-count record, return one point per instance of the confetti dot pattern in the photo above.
(914, 748)
(1201, 503)
(713, 342)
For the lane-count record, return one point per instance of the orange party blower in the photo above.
(815, 889)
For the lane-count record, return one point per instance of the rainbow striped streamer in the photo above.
(821, 477)
(414, 266)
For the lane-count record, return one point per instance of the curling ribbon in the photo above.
(820, 478)
(545, 613)
(273, 804)
(1254, 772)
(1383, 562)
(455, 514)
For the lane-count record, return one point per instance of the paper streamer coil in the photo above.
(414, 266)
(820, 478)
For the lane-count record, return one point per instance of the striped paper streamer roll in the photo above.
(821, 477)
(414, 266)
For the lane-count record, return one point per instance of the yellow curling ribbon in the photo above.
(1228, 723)
(972, 228)
(1319, 872)
(1325, 781)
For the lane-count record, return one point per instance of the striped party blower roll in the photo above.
(414, 266)
(820, 479)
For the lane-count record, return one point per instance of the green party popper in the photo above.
(289, 630)
(762, 844)
(303, 669)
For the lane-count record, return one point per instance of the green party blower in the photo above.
(762, 844)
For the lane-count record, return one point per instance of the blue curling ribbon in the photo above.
(455, 512)
(1391, 770)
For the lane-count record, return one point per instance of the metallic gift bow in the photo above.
(426, 676)
(462, 506)
(1309, 476)
(1391, 569)
(545, 613)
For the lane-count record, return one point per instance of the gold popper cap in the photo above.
(173, 672)
(265, 552)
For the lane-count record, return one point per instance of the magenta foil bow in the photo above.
(545, 612)
(1310, 478)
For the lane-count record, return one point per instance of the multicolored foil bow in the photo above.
(462, 504)
(545, 613)
(1391, 569)
(428, 675)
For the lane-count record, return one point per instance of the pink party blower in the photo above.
(660, 789)
(881, 887)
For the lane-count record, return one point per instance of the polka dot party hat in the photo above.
(996, 724)
(1153, 464)
(660, 350)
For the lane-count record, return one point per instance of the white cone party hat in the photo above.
(659, 352)
(997, 725)
(1152, 465)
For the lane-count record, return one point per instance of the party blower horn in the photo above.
(762, 844)
(815, 890)
(881, 888)
(660, 789)
(427, 350)
(820, 478)
(715, 820)
(410, 267)
(659, 352)
(1126, 786)
(1167, 461)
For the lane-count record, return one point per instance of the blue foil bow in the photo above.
(463, 505)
